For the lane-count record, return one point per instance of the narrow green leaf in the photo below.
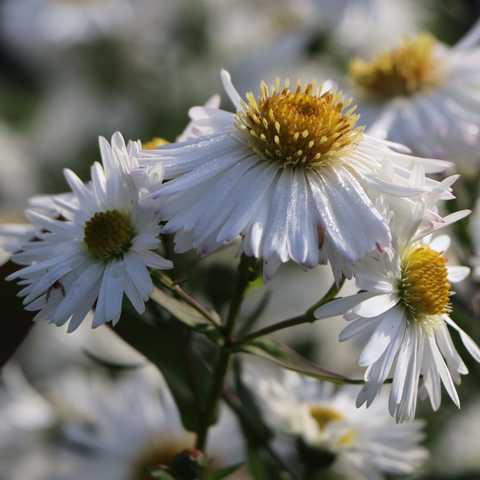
(225, 472)
(180, 310)
(291, 360)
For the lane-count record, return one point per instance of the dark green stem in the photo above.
(307, 317)
(246, 272)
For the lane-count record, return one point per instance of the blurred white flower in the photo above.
(98, 252)
(288, 173)
(58, 23)
(364, 443)
(402, 314)
(27, 418)
(16, 180)
(366, 25)
(455, 449)
(425, 95)
(119, 431)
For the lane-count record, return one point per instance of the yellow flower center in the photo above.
(109, 235)
(302, 127)
(424, 286)
(324, 416)
(403, 71)
(154, 143)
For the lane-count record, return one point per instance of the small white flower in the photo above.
(423, 94)
(289, 172)
(364, 443)
(402, 317)
(98, 251)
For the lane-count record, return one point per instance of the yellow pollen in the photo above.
(154, 143)
(301, 127)
(403, 71)
(424, 286)
(109, 235)
(323, 415)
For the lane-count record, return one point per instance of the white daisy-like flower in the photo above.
(144, 412)
(402, 315)
(358, 443)
(100, 250)
(290, 172)
(424, 95)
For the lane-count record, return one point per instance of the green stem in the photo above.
(307, 317)
(246, 270)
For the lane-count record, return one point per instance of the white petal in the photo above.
(468, 342)
(230, 89)
(339, 306)
(382, 337)
(375, 306)
(457, 274)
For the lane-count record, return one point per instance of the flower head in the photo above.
(313, 419)
(422, 94)
(403, 315)
(98, 250)
(290, 173)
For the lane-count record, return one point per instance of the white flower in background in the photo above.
(365, 25)
(423, 94)
(365, 443)
(401, 317)
(455, 450)
(12, 237)
(63, 22)
(289, 172)
(140, 430)
(27, 418)
(98, 252)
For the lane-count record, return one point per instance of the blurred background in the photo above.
(71, 70)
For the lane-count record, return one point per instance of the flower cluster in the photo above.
(293, 174)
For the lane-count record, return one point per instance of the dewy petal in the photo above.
(348, 216)
(339, 306)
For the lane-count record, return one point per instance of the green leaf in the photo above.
(182, 356)
(224, 472)
(180, 310)
(287, 358)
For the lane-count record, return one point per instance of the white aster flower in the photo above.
(424, 95)
(289, 172)
(138, 432)
(402, 317)
(98, 252)
(364, 443)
